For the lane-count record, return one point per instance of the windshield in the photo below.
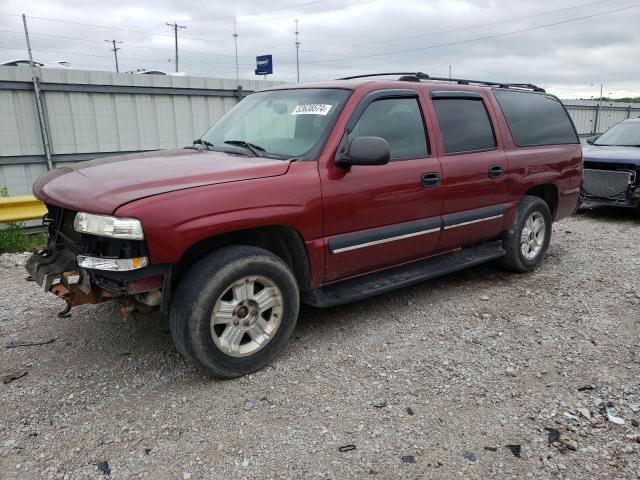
(622, 134)
(278, 123)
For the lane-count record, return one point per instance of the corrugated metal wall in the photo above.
(592, 118)
(91, 114)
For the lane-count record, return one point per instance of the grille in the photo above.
(608, 183)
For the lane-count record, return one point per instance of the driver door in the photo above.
(377, 216)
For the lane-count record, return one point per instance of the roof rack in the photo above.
(419, 76)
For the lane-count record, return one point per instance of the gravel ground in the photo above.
(480, 374)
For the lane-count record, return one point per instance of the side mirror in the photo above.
(591, 140)
(365, 151)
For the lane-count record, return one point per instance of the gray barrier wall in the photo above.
(91, 114)
(592, 117)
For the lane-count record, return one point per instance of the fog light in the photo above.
(112, 264)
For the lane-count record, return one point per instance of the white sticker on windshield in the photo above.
(311, 109)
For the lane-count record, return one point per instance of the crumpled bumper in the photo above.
(57, 272)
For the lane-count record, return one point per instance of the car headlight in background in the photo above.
(106, 226)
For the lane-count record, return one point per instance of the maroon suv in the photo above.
(322, 193)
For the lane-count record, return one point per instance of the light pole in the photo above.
(297, 50)
(235, 42)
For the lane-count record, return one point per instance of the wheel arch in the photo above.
(283, 241)
(547, 192)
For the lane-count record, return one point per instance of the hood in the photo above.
(103, 185)
(612, 154)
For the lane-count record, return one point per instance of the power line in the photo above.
(482, 25)
(485, 37)
(251, 14)
(140, 60)
(294, 15)
(115, 52)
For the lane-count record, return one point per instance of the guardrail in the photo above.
(20, 209)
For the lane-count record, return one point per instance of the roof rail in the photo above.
(419, 76)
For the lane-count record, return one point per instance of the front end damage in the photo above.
(607, 183)
(56, 268)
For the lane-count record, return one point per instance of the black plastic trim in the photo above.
(384, 233)
(453, 219)
(442, 94)
(387, 280)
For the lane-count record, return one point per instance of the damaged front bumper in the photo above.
(605, 185)
(57, 271)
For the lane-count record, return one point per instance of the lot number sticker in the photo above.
(311, 109)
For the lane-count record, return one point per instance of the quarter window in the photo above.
(399, 122)
(464, 124)
(536, 118)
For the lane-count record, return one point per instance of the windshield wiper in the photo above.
(257, 150)
(199, 141)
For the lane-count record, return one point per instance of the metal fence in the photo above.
(90, 114)
(593, 117)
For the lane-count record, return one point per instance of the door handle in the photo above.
(495, 171)
(431, 179)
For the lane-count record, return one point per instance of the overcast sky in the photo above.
(558, 49)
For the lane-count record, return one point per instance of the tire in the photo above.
(532, 209)
(236, 284)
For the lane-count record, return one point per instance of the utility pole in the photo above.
(297, 49)
(115, 52)
(235, 42)
(449, 72)
(46, 146)
(176, 27)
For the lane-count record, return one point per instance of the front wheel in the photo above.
(234, 310)
(528, 238)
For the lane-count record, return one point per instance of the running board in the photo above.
(390, 279)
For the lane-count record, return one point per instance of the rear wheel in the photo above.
(528, 238)
(234, 310)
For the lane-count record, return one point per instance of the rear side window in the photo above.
(465, 125)
(399, 122)
(536, 119)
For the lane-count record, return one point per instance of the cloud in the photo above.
(343, 37)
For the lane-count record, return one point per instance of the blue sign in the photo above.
(264, 65)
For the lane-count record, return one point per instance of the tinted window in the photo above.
(536, 119)
(464, 125)
(399, 122)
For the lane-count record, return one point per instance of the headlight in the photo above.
(105, 226)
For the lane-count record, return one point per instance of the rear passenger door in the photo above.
(474, 169)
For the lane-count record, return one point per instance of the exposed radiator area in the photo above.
(608, 183)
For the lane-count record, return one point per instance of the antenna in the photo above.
(176, 27)
(297, 50)
(115, 52)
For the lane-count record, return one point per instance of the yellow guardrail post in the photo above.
(19, 209)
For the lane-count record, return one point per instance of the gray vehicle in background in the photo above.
(612, 166)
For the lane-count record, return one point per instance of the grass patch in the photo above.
(14, 237)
